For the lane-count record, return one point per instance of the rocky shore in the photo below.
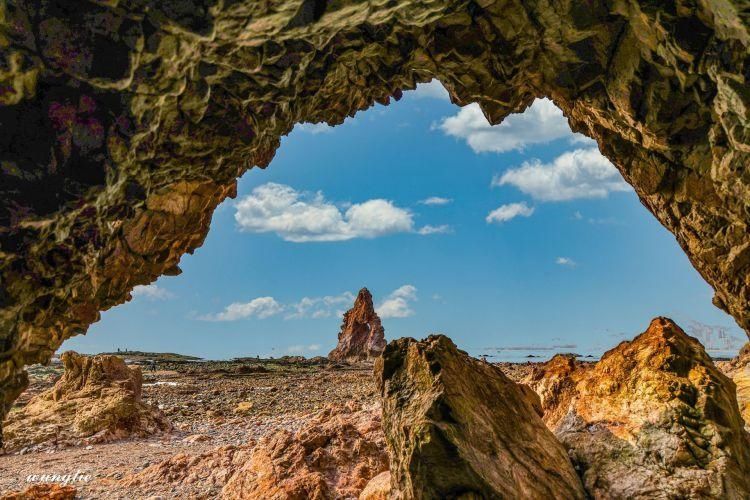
(655, 415)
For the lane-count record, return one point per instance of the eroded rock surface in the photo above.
(334, 455)
(654, 418)
(458, 426)
(362, 336)
(124, 124)
(97, 398)
(738, 370)
(47, 491)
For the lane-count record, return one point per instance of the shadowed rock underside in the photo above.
(124, 124)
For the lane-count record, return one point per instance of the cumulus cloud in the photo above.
(581, 173)
(542, 122)
(395, 305)
(314, 128)
(151, 292)
(431, 90)
(565, 261)
(441, 229)
(321, 307)
(504, 213)
(398, 303)
(261, 307)
(302, 217)
(436, 201)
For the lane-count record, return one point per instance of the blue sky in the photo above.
(517, 236)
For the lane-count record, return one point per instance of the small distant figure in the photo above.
(152, 365)
(118, 350)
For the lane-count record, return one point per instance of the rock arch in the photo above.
(123, 124)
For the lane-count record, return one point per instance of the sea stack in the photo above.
(362, 336)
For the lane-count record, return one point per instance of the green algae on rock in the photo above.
(457, 427)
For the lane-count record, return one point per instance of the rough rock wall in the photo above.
(124, 123)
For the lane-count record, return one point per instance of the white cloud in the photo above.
(151, 292)
(398, 303)
(261, 307)
(542, 122)
(301, 217)
(314, 128)
(431, 90)
(436, 201)
(504, 213)
(565, 261)
(581, 173)
(321, 307)
(441, 229)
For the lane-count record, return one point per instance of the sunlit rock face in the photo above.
(653, 419)
(457, 427)
(124, 123)
(362, 336)
(738, 369)
(97, 399)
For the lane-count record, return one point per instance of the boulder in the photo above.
(362, 336)
(97, 397)
(654, 418)
(458, 427)
(334, 455)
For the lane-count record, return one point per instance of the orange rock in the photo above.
(362, 336)
(42, 492)
(738, 370)
(334, 455)
(379, 488)
(653, 417)
(211, 470)
(97, 397)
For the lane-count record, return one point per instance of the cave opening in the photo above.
(537, 216)
(125, 124)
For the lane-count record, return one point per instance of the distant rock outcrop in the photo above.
(458, 427)
(653, 418)
(362, 336)
(97, 398)
(334, 455)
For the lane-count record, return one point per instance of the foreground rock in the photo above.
(738, 370)
(362, 336)
(97, 398)
(45, 491)
(653, 419)
(335, 455)
(458, 427)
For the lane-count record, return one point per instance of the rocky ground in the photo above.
(209, 404)
(296, 428)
